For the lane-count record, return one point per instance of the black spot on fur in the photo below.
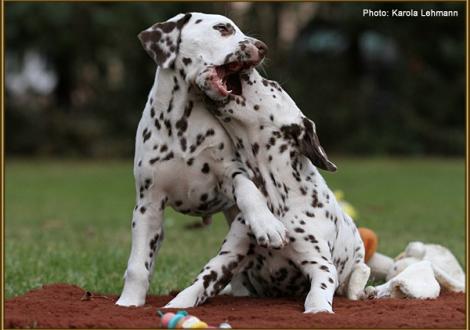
(183, 143)
(170, 106)
(153, 160)
(207, 279)
(146, 134)
(205, 168)
(255, 148)
(324, 268)
(181, 125)
(153, 242)
(169, 156)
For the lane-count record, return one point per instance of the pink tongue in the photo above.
(219, 86)
(216, 81)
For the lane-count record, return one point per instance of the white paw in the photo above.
(185, 299)
(130, 301)
(370, 292)
(180, 303)
(135, 289)
(318, 310)
(358, 296)
(269, 232)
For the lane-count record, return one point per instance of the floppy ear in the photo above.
(162, 40)
(310, 146)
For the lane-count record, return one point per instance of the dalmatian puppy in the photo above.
(280, 150)
(183, 157)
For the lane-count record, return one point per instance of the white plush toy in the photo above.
(419, 272)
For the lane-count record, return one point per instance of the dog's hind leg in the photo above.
(323, 279)
(219, 271)
(147, 235)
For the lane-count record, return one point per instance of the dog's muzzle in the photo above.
(219, 81)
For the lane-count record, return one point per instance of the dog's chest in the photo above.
(182, 150)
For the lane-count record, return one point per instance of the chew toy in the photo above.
(370, 242)
(182, 320)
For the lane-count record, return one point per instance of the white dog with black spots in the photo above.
(183, 157)
(280, 150)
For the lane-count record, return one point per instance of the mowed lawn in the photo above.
(68, 221)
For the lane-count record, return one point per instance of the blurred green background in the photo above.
(387, 95)
(77, 77)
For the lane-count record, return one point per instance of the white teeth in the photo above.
(230, 91)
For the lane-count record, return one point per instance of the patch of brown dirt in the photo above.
(62, 306)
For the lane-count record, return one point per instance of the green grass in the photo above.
(70, 221)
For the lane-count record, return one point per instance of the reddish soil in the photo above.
(61, 306)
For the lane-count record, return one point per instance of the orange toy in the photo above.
(370, 241)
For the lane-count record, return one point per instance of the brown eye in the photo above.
(224, 29)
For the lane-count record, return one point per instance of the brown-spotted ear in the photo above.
(162, 40)
(310, 146)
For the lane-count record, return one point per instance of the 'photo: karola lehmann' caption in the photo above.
(410, 13)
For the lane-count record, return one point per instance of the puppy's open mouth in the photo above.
(227, 80)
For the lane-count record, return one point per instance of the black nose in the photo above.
(262, 48)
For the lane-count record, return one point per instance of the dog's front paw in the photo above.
(130, 301)
(318, 310)
(135, 287)
(269, 232)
